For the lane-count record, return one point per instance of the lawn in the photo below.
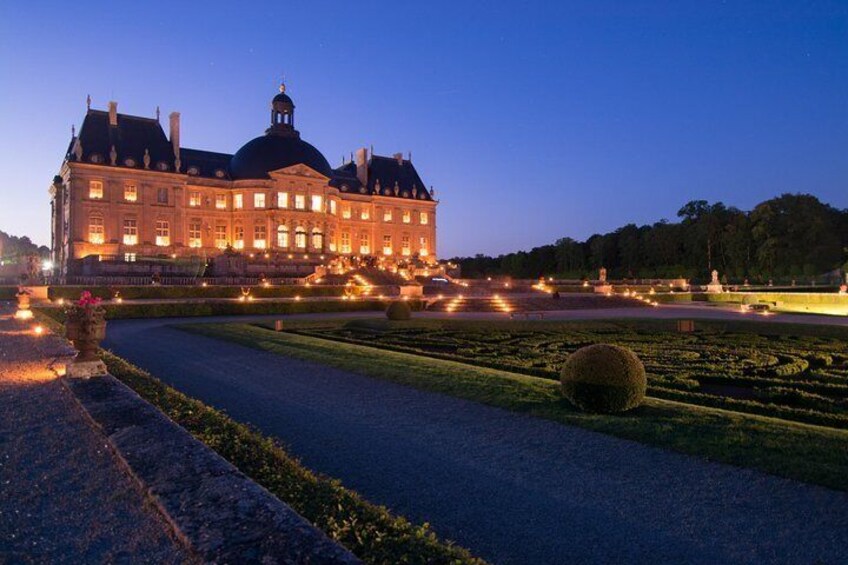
(797, 373)
(792, 449)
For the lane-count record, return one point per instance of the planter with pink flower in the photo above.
(85, 326)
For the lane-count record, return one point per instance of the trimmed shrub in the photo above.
(604, 378)
(398, 311)
(750, 299)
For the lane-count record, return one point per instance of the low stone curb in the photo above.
(214, 509)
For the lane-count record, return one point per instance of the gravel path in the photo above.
(512, 488)
(63, 498)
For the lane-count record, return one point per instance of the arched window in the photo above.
(96, 232)
(317, 239)
(282, 235)
(300, 237)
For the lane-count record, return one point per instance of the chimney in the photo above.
(362, 166)
(399, 158)
(175, 132)
(113, 113)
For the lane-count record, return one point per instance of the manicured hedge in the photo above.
(398, 311)
(8, 292)
(166, 292)
(604, 378)
(179, 310)
(371, 532)
(799, 298)
(804, 360)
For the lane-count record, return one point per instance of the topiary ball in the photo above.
(604, 378)
(398, 311)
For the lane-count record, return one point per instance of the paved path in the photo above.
(512, 488)
(63, 497)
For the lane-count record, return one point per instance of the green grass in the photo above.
(798, 451)
(746, 362)
(234, 308)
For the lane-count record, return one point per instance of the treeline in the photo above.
(13, 249)
(792, 236)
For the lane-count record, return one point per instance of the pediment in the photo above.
(299, 170)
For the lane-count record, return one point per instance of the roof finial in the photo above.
(157, 113)
(282, 84)
(73, 131)
(88, 102)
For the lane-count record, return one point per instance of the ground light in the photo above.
(38, 330)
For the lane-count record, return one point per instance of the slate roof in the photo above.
(271, 152)
(387, 176)
(133, 134)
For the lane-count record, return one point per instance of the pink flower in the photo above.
(86, 299)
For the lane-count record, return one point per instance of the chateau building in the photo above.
(129, 199)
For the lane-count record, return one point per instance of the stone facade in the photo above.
(168, 205)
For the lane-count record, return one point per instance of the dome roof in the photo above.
(282, 99)
(271, 152)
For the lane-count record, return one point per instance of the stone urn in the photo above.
(85, 326)
(23, 312)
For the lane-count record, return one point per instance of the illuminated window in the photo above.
(238, 237)
(163, 233)
(345, 242)
(221, 236)
(194, 199)
(387, 245)
(282, 200)
(331, 245)
(317, 203)
(346, 212)
(162, 195)
(407, 217)
(422, 247)
(194, 239)
(387, 215)
(130, 232)
(282, 235)
(364, 248)
(238, 201)
(300, 237)
(317, 239)
(333, 207)
(130, 193)
(95, 230)
(424, 218)
(404, 245)
(259, 200)
(129, 257)
(300, 201)
(221, 201)
(260, 235)
(95, 189)
(365, 213)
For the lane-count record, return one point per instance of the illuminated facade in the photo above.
(129, 195)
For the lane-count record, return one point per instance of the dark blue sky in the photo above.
(533, 121)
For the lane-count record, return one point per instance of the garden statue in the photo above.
(602, 274)
(715, 284)
(843, 289)
(85, 326)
